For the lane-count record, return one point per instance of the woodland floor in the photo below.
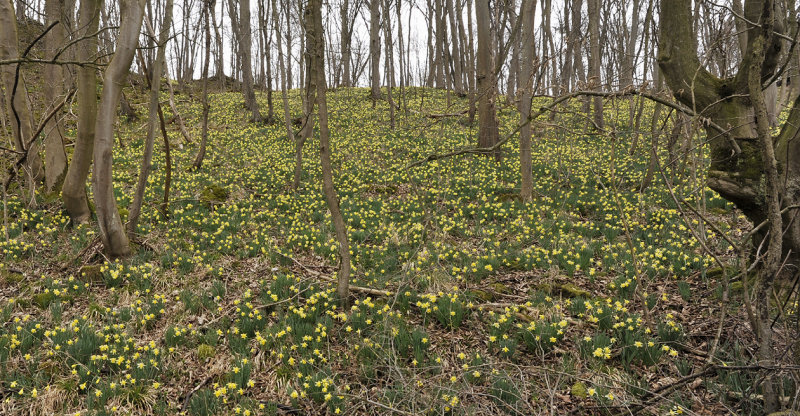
(591, 299)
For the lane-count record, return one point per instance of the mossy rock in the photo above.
(481, 295)
(123, 213)
(10, 277)
(43, 300)
(579, 390)
(714, 272)
(214, 194)
(205, 351)
(500, 288)
(736, 286)
(90, 274)
(545, 288)
(571, 291)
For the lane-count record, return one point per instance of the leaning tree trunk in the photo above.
(316, 47)
(112, 231)
(55, 156)
(17, 102)
(757, 172)
(73, 192)
(488, 133)
(152, 120)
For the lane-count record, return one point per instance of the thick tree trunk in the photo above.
(73, 192)
(112, 232)
(757, 172)
(488, 133)
(152, 121)
(55, 156)
(316, 46)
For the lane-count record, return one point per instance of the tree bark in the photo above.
(245, 45)
(152, 121)
(344, 44)
(55, 156)
(17, 102)
(389, 66)
(526, 84)
(201, 153)
(375, 49)
(112, 232)
(595, 60)
(316, 45)
(759, 173)
(73, 191)
(488, 133)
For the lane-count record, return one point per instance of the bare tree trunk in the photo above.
(401, 57)
(526, 84)
(186, 137)
(220, 58)
(387, 34)
(73, 192)
(55, 156)
(344, 44)
(201, 153)
(316, 45)
(458, 71)
(375, 49)
(155, 89)
(594, 60)
(16, 95)
(309, 98)
(245, 45)
(470, 65)
(488, 134)
(287, 116)
(112, 233)
(431, 64)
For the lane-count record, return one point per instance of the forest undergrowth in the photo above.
(595, 298)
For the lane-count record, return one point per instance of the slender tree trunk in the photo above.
(375, 49)
(316, 46)
(155, 90)
(245, 45)
(488, 134)
(112, 233)
(344, 44)
(387, 34)
(471, 73)
(186, 137)
(73, 192)
(55, 156)
(201, 153)
(526, 84)
(594, 60)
